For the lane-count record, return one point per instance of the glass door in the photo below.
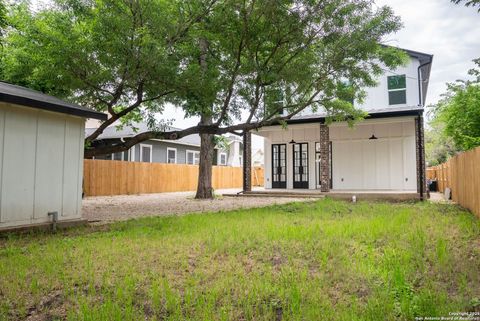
(300, 165)
(279, 166)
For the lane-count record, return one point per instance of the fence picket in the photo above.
(461, 174)
(108, 177)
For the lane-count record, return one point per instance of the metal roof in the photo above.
(373, 113)
(30, 98)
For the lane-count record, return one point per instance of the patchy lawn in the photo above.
(325, 260)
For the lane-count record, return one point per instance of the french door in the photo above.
(300, 165)
(279, 166)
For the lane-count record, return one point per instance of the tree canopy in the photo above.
(456, 117)
(468, 3)
(131, 57)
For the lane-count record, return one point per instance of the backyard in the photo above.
(328, 260)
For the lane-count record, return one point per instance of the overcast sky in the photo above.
(450, 32)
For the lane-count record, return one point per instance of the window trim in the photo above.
(131, 152)
(220, 159)
(192, 152)
(122, 158)
(397, 89)
(141, 154)
(172, 149)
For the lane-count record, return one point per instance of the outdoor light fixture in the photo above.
(373, 137)
(293, 142)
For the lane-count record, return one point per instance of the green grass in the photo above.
(327, 260)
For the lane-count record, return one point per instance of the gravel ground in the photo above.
(104, 209)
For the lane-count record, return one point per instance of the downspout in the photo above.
(419, 77)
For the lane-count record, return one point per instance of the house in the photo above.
(185, 150)
(41, 153)
(258, 157)
(384, 152)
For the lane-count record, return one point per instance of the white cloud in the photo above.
(450, 32)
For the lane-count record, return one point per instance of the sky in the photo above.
(450, 32)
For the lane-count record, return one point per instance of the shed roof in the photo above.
(31, 98)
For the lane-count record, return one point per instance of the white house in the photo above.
(385, 152)
(41, 157)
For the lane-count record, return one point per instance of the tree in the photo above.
(262, 63)
(238, 65)
(459, 111)
(115, 56)
(468, 3)
(438, 147)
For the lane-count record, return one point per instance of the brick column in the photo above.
(324, 158)
(420, 154)
(247, 161)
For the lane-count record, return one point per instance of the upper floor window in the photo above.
(397, 90)
(193, 157)
(171, 155)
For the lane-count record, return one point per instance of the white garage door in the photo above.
(381, 164)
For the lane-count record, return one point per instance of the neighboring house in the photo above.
(41, 153)
(258, 158)
(385, 152)
(185, 150)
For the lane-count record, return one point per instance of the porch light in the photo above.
(373, 137)
(292, 142)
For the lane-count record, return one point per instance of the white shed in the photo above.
(41, 157)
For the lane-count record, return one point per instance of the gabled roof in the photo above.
(30, 98)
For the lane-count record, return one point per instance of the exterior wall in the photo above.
(307, 133)
(41, 165)
(159, 152)
(358, 163)
(377, 97)
(386, 163)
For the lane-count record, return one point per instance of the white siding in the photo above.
(358, 163)
(41, 163)
(386, 163)
(377, 97)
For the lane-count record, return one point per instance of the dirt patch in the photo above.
(104, 209)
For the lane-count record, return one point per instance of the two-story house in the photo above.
(384, 152)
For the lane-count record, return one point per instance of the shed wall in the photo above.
(41, 163)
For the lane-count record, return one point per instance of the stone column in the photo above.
(420, 155)
(247, 161)
(324, 158)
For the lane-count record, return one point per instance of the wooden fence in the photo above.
(461, 174)
(107, 177)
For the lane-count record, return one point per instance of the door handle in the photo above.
(279, 170)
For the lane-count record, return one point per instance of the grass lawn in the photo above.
(327, 260)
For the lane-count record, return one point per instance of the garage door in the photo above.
(381, 164)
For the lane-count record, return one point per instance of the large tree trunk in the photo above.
(207, 145)
(204, 188)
